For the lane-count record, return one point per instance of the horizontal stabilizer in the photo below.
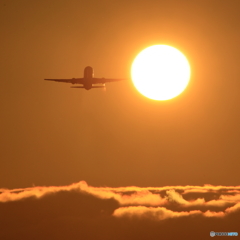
(91, 87)
(98, 86)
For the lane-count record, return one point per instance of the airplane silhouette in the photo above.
(87, 81)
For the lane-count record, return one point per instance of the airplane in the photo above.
(87, 81)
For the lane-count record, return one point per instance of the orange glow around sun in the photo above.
(160, 72)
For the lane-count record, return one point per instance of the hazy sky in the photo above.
(52, 135)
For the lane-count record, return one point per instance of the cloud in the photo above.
(161, 213)
(142, 200)
(37, 192)
(158, 213)
(231, 198)
(174, 196)
(80, 211)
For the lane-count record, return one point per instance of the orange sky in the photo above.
(153, 170)
(54, 135)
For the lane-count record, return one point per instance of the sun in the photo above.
(160, 72)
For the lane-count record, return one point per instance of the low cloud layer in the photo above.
(78, 204)
(147, 202)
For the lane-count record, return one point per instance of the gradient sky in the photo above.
(54, 135)
(181, 155)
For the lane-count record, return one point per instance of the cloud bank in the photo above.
(79, 211)
(152, 202)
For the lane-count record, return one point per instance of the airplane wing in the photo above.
(104, 80)
(73, 80)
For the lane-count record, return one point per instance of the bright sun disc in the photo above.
(160, 72)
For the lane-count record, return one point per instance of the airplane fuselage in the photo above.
(88, 75)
